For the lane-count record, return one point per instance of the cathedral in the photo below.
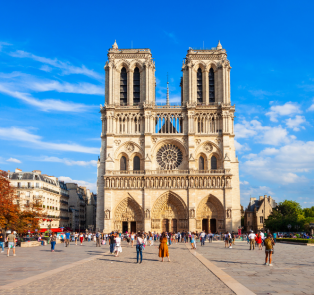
(165, 167)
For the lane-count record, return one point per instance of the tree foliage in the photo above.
(11, 215)
(290, 212)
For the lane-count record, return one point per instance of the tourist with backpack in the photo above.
(98, 239)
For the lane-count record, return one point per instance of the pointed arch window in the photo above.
(201, 163)
(123, 163)
(199, 86)
(136, 163)
(213, 162)
(136, 86)
(211, 85)
(123, 87)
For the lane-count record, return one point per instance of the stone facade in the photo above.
(257, 212)
(52, 194)
(167, 167)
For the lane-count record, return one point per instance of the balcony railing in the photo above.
(170, 172)
(64, 202)
(50, 190)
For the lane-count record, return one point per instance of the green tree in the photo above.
(309, 212)
(287, 212)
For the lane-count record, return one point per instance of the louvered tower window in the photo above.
(123, 87)
(136, 163)
(123, 163)
(213, 161)
(199, 86)
(136, 86)
(211, 85)
(201, 163)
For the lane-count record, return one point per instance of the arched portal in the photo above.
(169, 213)
(128, 216)
(210, 215)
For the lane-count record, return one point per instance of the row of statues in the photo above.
(168, 182)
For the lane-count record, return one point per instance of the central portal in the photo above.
(169, 214)
(205, 225)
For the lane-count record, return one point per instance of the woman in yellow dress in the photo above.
(163, 247)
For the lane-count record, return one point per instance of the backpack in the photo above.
(97, 235)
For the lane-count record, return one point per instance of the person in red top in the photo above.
(259, 241)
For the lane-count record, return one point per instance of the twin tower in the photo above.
(167, 168)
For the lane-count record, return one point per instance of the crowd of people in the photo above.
(142, 239)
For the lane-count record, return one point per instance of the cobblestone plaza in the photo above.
(211, 269)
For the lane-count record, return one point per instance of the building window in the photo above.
(199, 86)
(213, 161)
(19, 184)
(211, 85)
(37, 185)
(248, 223)
(136, 86)
(123, 87)
(136, 163)
(261, 219)
(201, 163)
(123, 163)
(29, 184)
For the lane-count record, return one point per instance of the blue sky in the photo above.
(52, 82)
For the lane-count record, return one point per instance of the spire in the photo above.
(219, 45)
(167, 91)
(115, 45)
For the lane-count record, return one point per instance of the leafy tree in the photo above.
(309, 212)
(287, 212)
(11, 215)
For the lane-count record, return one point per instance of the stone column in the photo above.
(206, 74)
(130, 87)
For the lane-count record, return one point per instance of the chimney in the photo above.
(36, 171)
(261, 198)
(18, 170)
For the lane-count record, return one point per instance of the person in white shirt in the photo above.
(202, 238)
(117, 247)
(252, 238)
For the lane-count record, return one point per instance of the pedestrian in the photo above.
(163, 248)
(269, 249)
(67, 238)
(112, 242)
(76, 238)
(275, 237)
(230, 240)
(1, 241)
(202, 238)
(11, 243)
(81, 238)
(226, 238)
(132, 239)
(259, 241)
(53, 242)
(98, 238)
(193, 241)
(139, 247)
(117, 247)
(252, 237)
(233, 237)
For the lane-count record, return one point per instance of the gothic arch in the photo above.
(121, 64)
(136, 63)
(174, 141)
(169, 204)
(212, 65)
(121, 149)
(199, 64)
(216, 152)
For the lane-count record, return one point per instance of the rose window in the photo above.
(169, 157)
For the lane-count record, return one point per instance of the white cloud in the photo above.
(90, 185)
(296, 122)
(34, 141)
(171, 36)
(14, 160)
(66, 67)
(262, 134)
(2, 44)
(244, 182)
(46, 104)
(283, 165)
(287, 109)
(241, 147)
(68, 161)
(311, 108)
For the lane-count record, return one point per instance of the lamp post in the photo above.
(312, 228)
(289, 227)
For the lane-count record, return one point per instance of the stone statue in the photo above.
(214, 182)
(222, 182)
(192, 182)
(228, 182)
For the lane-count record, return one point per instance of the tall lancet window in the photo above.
(199, 86)
(136, 86)
(201, 163)
(123, 163)
(123, 87)
(213, 163)
(211, 85)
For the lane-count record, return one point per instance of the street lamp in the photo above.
(312, 227)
